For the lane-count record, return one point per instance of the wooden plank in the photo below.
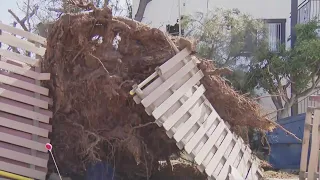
(23, 98)
(314, 153)
(25, 92)
(25, 106)
(19, 57)
(185, 128)
(23, 85)
(22, 134)
(24, 71)
(209, 144)
(167, 104)
(8, 138)
(242, 166)
(23, 127)
(184, 108)
(22, 171)
(20, 43)
(202, 131)
(167, 84)
(218, 155)
(253, 171)
(174, 60)
(23, 112)
(26, 34)
(21, 157)
(230, 160)
(24, 120)
(305, 142)
(36, 109)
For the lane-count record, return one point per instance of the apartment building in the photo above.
(161, 13)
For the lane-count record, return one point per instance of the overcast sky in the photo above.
(5, 17)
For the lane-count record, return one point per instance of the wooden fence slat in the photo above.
(20, 43)
(167, 84)
(8, 138)
(210, 143)
(23, 85)
(24, 72)
(22, 171)
(174, 60)
(23, 98)
(253, 172)
(17, 156)
(230, 160)
(305, 142)
(174, 118)
(184, 129)
(167, 104)
(23, 127)
(19, 32)
(23, 112)
(19, 57)
(314, 153)
(201, 131)
(219, 154)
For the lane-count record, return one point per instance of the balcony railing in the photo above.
(308, 10)
(304, 103)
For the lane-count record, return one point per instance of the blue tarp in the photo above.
(100, 171)
(285, 149)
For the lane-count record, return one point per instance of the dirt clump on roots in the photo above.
(95, 118)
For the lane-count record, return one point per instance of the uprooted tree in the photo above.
(95, 118)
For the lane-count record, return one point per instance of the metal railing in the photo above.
(308, 10)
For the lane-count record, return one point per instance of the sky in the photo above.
(5, 17)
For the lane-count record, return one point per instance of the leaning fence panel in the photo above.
(174, 96)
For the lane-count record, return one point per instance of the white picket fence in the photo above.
(175, 98)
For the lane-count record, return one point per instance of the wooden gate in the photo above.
(24, 114)
(309, 167)
(175, 98)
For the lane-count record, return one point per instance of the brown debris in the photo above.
(95, 118)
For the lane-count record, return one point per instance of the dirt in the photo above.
(279, 175)
(95, 118)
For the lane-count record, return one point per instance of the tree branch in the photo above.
(27, 17)
(141, 9)
(57, 10)
(309, 90)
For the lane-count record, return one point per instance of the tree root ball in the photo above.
(95, 118)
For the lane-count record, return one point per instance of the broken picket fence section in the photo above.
(309, 162)
(24, 114)
(174, 96)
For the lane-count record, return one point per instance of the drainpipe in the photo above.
(180, 18)
(294, 21)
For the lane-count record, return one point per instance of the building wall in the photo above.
(159, 13)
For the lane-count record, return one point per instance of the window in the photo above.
(276, 29)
